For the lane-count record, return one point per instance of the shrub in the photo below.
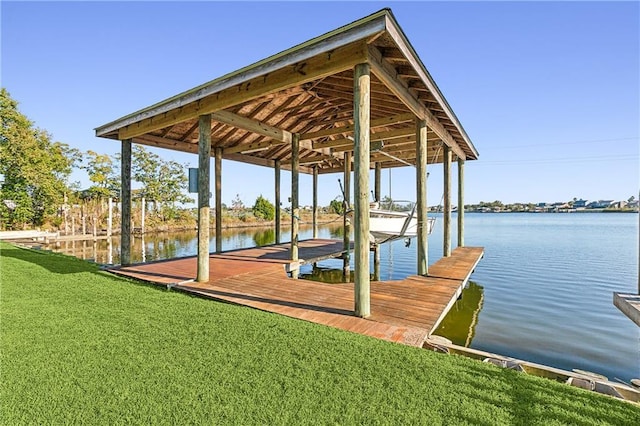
(263, 209)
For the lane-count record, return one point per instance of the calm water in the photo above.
(543, 291)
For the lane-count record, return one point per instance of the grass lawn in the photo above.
(82, 346)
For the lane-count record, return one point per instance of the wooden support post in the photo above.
(460, 202)
(421, 196)
(204, 173)
(125, 199)
(277, 196)
(315, 202)
(361, 115)
(346, 237)
(218, 183)
(143, 214)
(377, 177)
(295, 210)
(446, 245)
(376, 262)
(109, 219)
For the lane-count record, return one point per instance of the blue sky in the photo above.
(548, 92)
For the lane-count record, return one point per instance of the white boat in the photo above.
(396, 220)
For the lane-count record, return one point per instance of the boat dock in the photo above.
(629, 304)
(404, 311)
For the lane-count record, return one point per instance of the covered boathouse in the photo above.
(354, 99)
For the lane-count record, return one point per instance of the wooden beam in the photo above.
(421, 197)
(218, 184)
(346, 221)
(381, 122)
(340, 59)
(396, 33)
(388, 75)
(295, 210)
(361, 114)
(252, 147)
(251, 125)
(277, 201)
(446, 243)
(460, 202)
(377, 182)
(125, 200)
(204, 167)
(314, 219)
(389, 137)
(166, 143)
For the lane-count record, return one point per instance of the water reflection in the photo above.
(167, 245)
(459, 325)
(265, 237)
(326, 275)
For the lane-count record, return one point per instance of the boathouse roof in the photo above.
(308, 89)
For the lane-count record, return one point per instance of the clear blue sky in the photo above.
(548, 92)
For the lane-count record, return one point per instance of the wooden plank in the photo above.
(404, 311)
(341, 59)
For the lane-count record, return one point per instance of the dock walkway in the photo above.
(404, 311)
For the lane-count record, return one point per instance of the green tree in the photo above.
(35, 170)
(263, 209)
(164, 182)
(103, 173)
(336, 206)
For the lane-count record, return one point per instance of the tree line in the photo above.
(35, 171)
(36, 191)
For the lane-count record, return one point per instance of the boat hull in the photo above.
(389, 225)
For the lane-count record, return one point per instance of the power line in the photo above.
(634, 138)
(603, 158)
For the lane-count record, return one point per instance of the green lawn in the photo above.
(82, 346)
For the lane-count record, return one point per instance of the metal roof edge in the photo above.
(341, 36)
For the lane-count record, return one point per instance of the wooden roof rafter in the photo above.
(306, 89)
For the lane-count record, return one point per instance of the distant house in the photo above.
(542, 207)
(600, 204)
(633, 204)
(619, 204)
(578, 204)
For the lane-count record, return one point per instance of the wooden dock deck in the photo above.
(404, 311)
